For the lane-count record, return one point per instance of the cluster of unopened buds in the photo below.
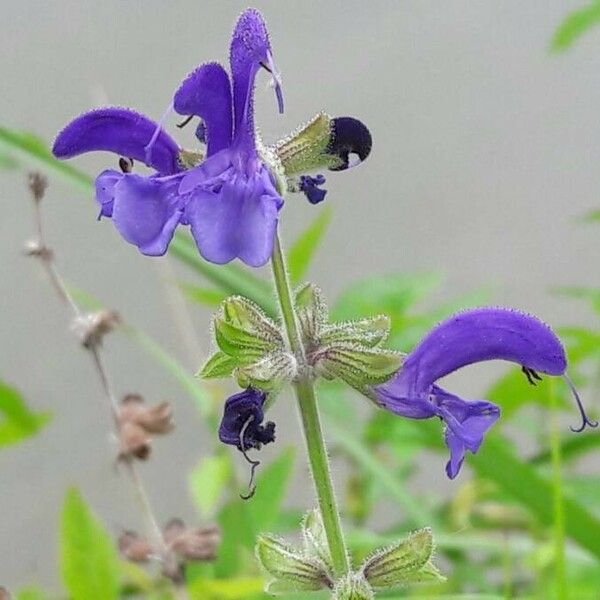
(181, 542)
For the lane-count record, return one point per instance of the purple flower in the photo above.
(469, 337)
(243, 416)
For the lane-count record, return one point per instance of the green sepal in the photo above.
(315, 539)
(370, 332)
(311, 311)
(268, 373)
(409, 561)
(353, 587)
(292, 571)
(248, 316)
(305, 150)
(358, 365)
(242, 345)
(217, 366)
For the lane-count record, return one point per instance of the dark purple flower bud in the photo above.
(241, 425)
(309, 185)
(466, 338)
(349, 136)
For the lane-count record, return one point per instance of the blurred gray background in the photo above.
(486, 153)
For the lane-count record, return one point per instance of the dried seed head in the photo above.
(156, 419)
(37, 186)
(133, 442)
(4, 594)
(191, 544)
(92, 327)
(135, 548)
(37, 249)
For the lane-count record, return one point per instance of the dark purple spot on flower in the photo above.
(243, 416)
(309, 185)
(201, 132)
(349, 137)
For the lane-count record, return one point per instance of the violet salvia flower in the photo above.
(469, 337)
(242, 423)
(231, 200)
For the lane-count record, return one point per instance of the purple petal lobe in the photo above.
(241, 425)
(209, 174)
(250, 49)
(119, 130)
(206, 93)
(350, 141)
(237, 221)
(479, 335)
(309, 185)
(146, 211)
(105, 191)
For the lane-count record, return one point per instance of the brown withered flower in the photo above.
(92, 327)
(157, 419)
(4, 594)
(134, 548)
(37, 186)
(134, 441)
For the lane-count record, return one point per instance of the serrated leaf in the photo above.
(289, 566)
(208, 481)
(390, 567)
(575, 25)
(18, 422)
(89, 561)
(202, 295)
(219, 365)
(302, 251)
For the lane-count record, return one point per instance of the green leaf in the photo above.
(89, 561)
(219, 365)
(231, 278)
(187, 381)
(242, 588)
(244, 346)
(18, 422)
(302, 251)
(202, 295)
(208, 482)
(496, 462)
(368, 332)
(571, 447)
(35, 151)
(31, 593)
(270, 491)
(575, 25)
(315, 538)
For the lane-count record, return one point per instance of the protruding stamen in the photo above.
(184, 122)
(585, 420)
(275, 79)
(159, 127)
(254, 464)
(532, 376)
(126, 164)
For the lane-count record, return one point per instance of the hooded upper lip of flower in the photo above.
(469, 337)
(231, 200)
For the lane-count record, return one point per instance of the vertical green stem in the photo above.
(313, 435)
(559, 511)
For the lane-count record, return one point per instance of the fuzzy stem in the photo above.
(313, 435)
(557, 493)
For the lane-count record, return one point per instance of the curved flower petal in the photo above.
(105, 190)
(207, 175)
(206, 93)
(250, 50)
(146, 211)
(475, 336)
(237, 222)
(122, 131)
